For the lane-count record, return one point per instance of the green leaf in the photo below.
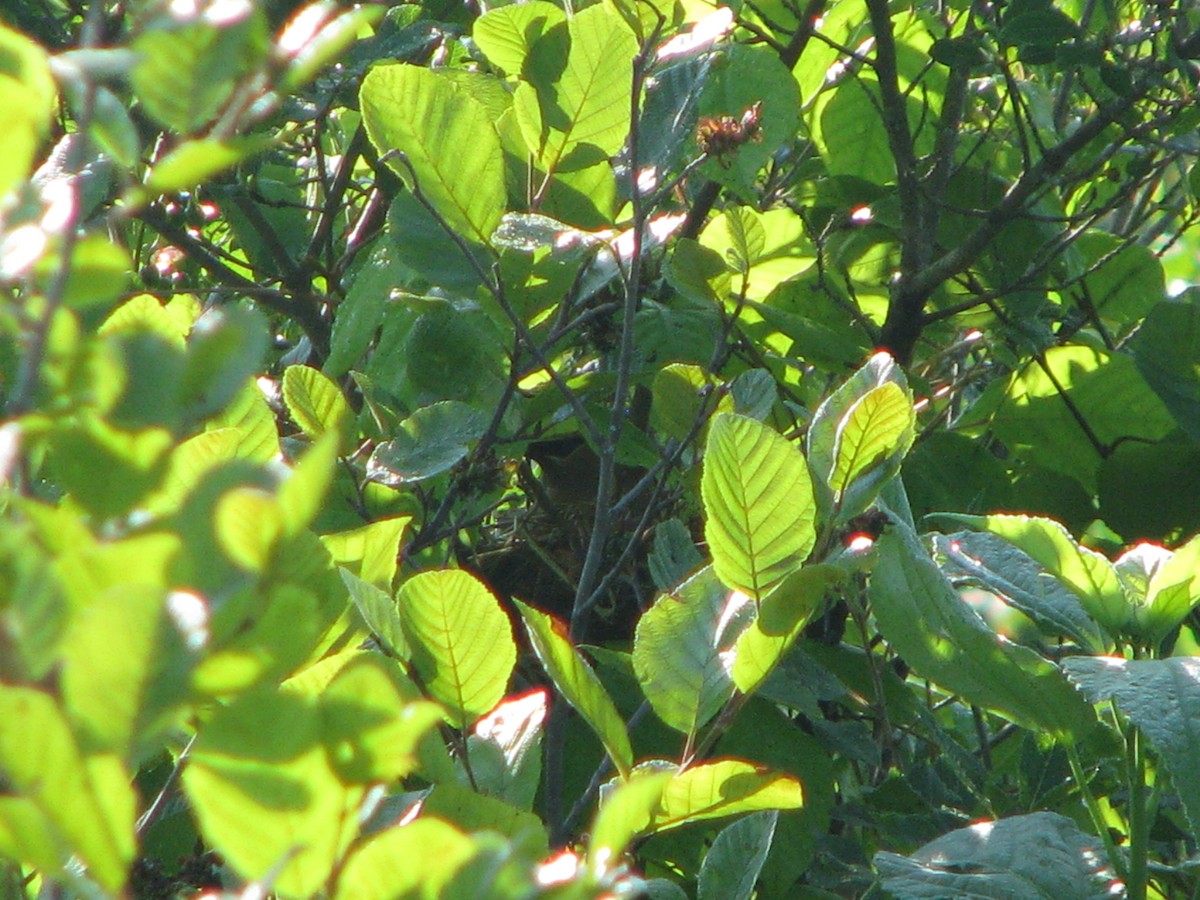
(371, 733)
(461, 639)
(35, 606)
(303, 491)
(370, 552)
(1168, 472)
(505, 748)
(455, 354)
(225, 350)
(432, 850)
(194, 162)
(317, 405)
(588, 104)
(842, 438)
(578, 684)
(249, 524)
(1166, 350)
(780, 620)
(733, 863)
(1041, 855)
(429, 442)
(1124, 280)
(125, 671)
(1044, 27)
(472, 811)
(86, 801)
(674, 556)
(379, 611)
(942, 639)
(186, 73)
(27, 94)
(677, 399)
(758, 503)
(724, 787)
(1000, 567)
(680, 646)
(626, 810)
(361, 313)
(875, 432)
(1104, 390)
(506, 34)
(1088, 574)
(1173, 592)
(265, 794)
(754, 393)
(764, 250)
(99, 272)
(106, 470)
(251, 419)
(422, 247)
(446, 136)
(852, 135)
(1162, 698)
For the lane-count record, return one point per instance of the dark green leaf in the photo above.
(944, 640)
(1039, 856)
(1161, 697)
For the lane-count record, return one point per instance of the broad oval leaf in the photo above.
(370, 731)
(432, 850)
(589, 103)
(850, 435)
(317, 405)
(506, 34)
(1173, 591)
(429, 442)
(578, 684)
(731, 866)
(448, 138)
(725, 787)
(758, 502)
(1166, 350)
(625, 812)
(378, 610)
(87, 801)
(461, 639)
(679, 649)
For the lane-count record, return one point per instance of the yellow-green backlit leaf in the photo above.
(432, 851)
(265, 795)
(317, 404)
(461, 641)
(878, 427)
(725, 787)
(680, 647)
(448, 138)
(758, 501)
(578, 684)
(780, 620)
(86, 801)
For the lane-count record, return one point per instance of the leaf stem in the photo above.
(1139, 821)
(1099, 825)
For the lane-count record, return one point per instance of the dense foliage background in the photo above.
(609, 449)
